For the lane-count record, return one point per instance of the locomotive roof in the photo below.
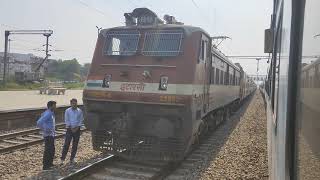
(187, 28)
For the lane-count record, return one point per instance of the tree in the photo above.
(67, 70)
(85, 69)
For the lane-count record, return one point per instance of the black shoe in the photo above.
(48, 168)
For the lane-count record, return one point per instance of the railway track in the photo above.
(22, 139)
(115, 168)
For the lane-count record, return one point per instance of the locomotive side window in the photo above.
(120, 43)
(202, 53)
(204, 50)
(162, 43)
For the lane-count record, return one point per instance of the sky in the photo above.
(74, 24)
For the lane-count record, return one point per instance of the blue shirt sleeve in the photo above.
(45, 122)
(40, 121)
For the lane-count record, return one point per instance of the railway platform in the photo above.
(14, 100)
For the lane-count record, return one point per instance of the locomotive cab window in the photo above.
(162, 43)
(120, 43)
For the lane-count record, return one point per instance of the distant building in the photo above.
(22, 63)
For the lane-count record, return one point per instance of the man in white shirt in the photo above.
(73, 118)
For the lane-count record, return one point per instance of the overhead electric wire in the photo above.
(195, 4)
(25, 41)
(95, 9)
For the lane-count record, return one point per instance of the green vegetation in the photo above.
(12, 86)
(67, 70)
(79, 85)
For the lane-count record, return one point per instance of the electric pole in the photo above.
(258, 60)
(6, 37)
(9, 57)
(46, 33)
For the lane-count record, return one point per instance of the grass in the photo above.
(79, 85)
(12, 86)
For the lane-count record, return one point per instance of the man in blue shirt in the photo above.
(47, 125)
(73, 118)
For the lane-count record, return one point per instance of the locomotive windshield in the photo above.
(156, 43)
(162, 43)
(122, 43)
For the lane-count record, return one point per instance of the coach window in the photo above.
(225, 82)
(234, 77)
(212, 75)
(317, 77)
(221, 77)
(217, 76)
(308, 123)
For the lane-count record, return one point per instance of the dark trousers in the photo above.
(75, 140)
(49, 151)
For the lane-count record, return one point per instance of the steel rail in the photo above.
(25, 132)
(96, 167)
(23, 139)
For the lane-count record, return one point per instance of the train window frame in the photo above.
(217, 76)
(276, 66)
(222, 77)
(212, 77)
(204, 51)
(155, 52)
(114, 33)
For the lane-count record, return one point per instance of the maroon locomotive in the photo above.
(154, 87)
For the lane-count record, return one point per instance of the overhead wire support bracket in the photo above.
(46, 33)
(217, 38)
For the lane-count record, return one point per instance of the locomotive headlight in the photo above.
(106, 81)
(163, 83)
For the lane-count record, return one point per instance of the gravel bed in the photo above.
(236, 150)
(308, 161)
(27, 163)
(244, 154)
